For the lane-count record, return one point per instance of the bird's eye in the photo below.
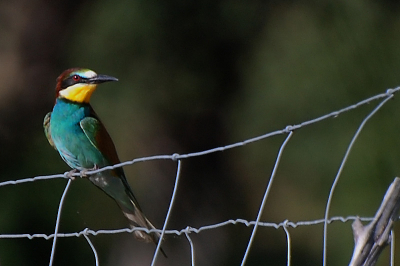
(76, 77)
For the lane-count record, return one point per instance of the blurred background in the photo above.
(196, 75)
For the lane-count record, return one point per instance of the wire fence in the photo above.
(179, 158)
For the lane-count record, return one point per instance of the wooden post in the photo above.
(371, 239)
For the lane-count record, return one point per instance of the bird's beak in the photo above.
(101, 78)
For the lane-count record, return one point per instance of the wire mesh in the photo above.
(179, 159)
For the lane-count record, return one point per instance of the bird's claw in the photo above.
(84, 173)
(71, 173)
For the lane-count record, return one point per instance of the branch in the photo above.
(371, 239)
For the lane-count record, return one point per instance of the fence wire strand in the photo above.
(53, 249)
(192, 258)
(264, 200)
(386, 96)
(335, 182)
(189, 229)
(289, 243)
(178, 172)
(96, 257)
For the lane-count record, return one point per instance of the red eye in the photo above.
(76, 77)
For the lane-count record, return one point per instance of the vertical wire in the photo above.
(265, 197)
(191, 245)
(53, 249)
(349, 148)
(178, 172)
(289, 243)
(96, 257)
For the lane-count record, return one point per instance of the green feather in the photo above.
(90, 127)
(46, 126)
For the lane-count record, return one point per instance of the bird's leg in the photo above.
(70, 174)
(84, 172)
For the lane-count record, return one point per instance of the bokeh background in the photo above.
(196, 75)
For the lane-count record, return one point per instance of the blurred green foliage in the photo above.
(196, 75)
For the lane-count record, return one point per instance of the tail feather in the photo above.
(114, 184)
(136, 218)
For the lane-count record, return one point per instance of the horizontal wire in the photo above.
(189, 229)
(175, 156)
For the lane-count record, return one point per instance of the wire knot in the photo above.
(85, 231)
(389, 91)
(175, 156)
(289, 128)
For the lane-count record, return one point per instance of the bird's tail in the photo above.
(136, 218)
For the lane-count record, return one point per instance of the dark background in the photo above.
(196, 75)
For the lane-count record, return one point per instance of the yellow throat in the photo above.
(80, 92)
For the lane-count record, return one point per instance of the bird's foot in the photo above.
(71, 173)
(84, 173)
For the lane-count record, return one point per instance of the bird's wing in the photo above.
(101, 140)
(46, 126)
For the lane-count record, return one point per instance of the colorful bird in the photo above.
(76, 132)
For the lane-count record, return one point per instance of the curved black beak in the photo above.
(100, 79)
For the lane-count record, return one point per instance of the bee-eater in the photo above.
(76, 132)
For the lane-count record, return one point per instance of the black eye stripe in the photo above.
(70, 81)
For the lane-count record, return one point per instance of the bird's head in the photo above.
(78, 84)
